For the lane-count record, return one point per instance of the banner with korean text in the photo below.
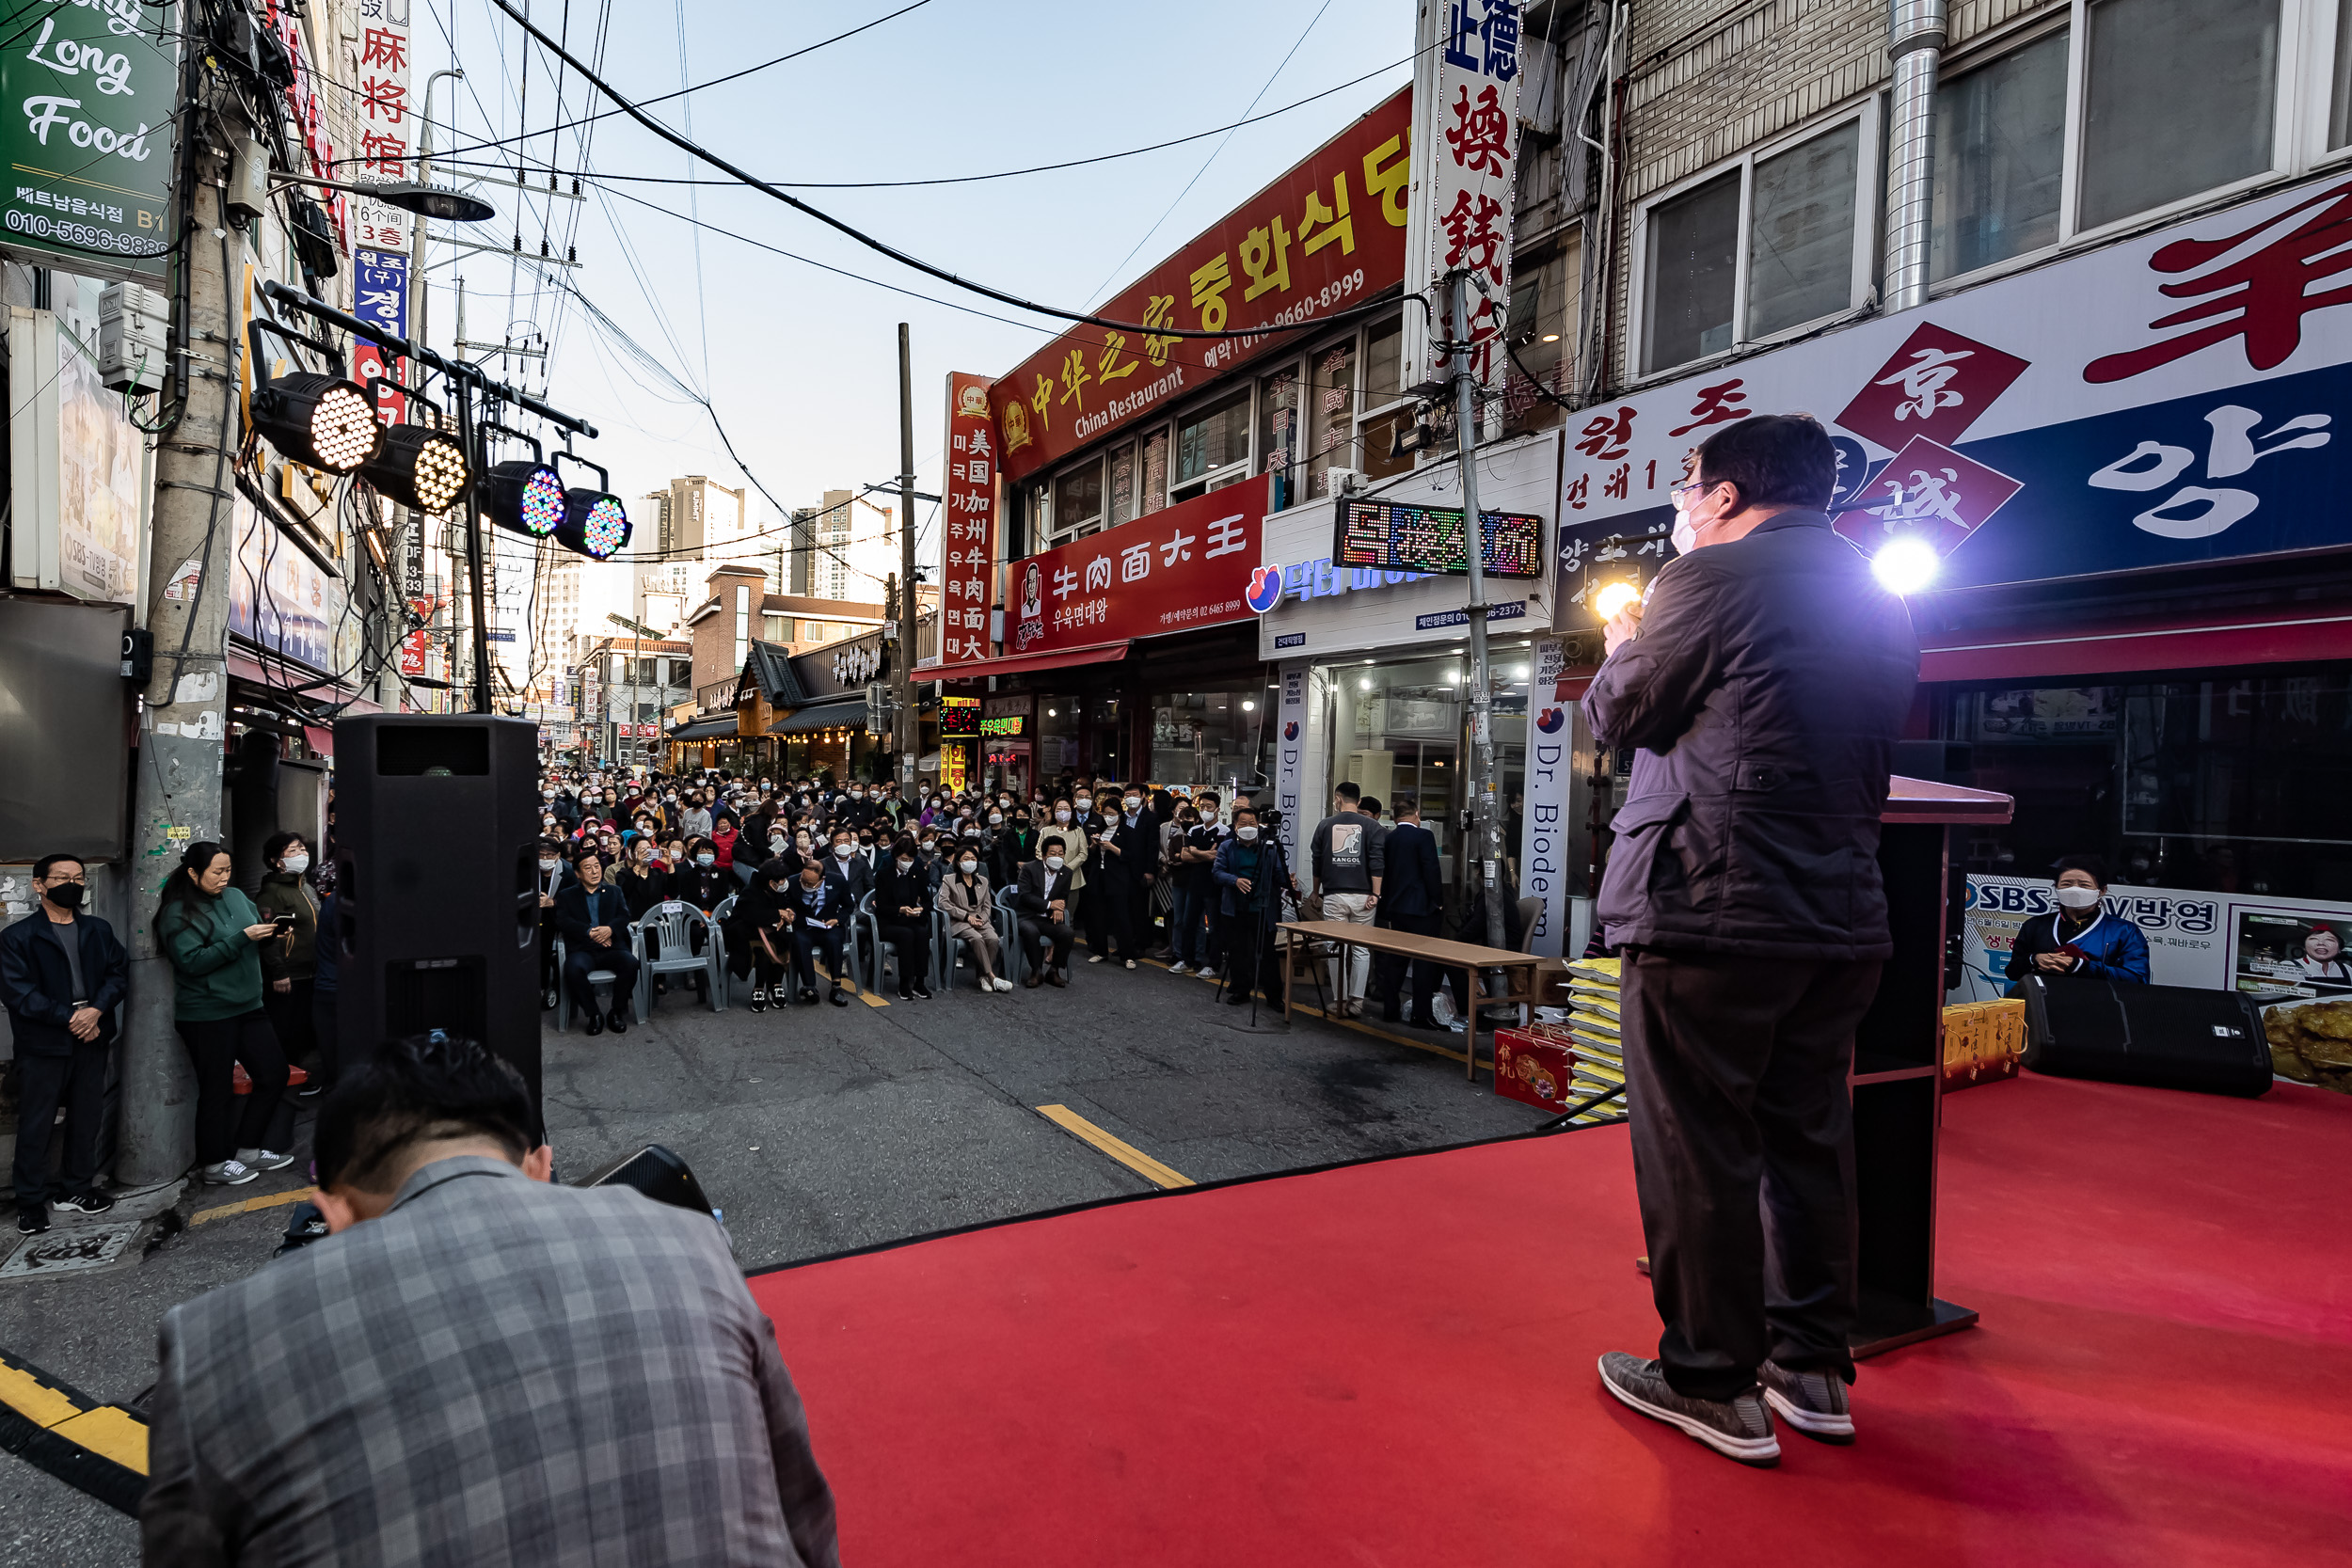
(967, 533)
(1186, 567)
(2164, 401)
(387, 125)
(1328, 235)
(379, 296)
(1465, 120)
(88, 135)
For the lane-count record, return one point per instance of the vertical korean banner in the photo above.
(87, 137)
(1466, 124)
(967, 534)
(1290, 752)
(387, 130)
(379, 296)
(1543, 824)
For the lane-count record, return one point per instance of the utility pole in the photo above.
(1486, 851)
(910, 723)
(184, 723)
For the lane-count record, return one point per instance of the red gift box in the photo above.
(1533, 1069)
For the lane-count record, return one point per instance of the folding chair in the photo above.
(602, 979)
(869, 928)
(663, 941)
(1011, 962)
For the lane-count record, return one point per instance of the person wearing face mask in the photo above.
(563, 804)
(288, 967)
(1250, 874)
(1760, 689)
(760, 937)
(964, 897)
(213, 935)
(62, 975)
(854, 868)
(1089, 823)
(854, 810)
(821, 908)
(642, 882)
(694, 821)
(554, 876)
(902, 901)
(1131, 868)
(1008, 848)
(2079, 937)
(1042, 900)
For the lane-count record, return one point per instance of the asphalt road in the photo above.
(819, 1129)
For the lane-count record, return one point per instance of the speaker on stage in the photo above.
(2162, 1036)
(436, 859)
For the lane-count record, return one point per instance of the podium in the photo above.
(1897, 1073)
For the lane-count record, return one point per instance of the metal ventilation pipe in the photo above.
(1916, 38)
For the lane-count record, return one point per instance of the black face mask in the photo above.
(67, 895)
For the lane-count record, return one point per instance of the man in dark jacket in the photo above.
(1042, 900)
(62, 974)
(1764, 685)
(1130, 864)
(1412, 900)
(594, 918)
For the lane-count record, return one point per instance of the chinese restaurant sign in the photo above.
(2161, 401)
(87, 133)
(968, 539)
(1180, 568)
(310, 114)
(1465, 117)
(1326, 236)
(386, 119)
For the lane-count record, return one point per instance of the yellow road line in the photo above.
(34, 1400)
(1117, 1149)
(268, 1200)
(110, 1433)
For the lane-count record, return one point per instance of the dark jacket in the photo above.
(1008, 851)
(1412, 884)
(1038, 887)
(578, 912)
(288, 957)
(641, 893)
(325, 967)
(2113, 948)
(217, 967)
(854, 871)
(1765, 692)
(37, 985)
(702, 886)
(1269, 874)
(1138, 844)
(893, 891)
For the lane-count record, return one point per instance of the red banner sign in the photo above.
(1328, 235)
(968, 536)
(1182, 568)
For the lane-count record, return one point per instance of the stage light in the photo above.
(524, 496)
(419, 467)
(1905, 565)
(595, 523)
(323, 420)
(1610, 602)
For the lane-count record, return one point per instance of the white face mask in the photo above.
(1053, 863)
(1686, 538)
(1248, 835)
(906, 865)
(842, 851)
(549, 865)
(1133, 802)
(996, 819)
(1061, 817)
(967, 865)
(777, 840)
(295, 864)
(2076, 897)
(705, 859)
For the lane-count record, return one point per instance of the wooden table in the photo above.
(1466, 956)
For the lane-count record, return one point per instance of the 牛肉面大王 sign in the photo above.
(2160, 401)
(1184, 566)
(1328, 236)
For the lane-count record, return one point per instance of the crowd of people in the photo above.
(783, 867)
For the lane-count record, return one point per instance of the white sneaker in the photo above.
(1205, 972)
(262, 1159)
(1094, 957)
(228, 1173)
(1003, 984)
(1178, 968)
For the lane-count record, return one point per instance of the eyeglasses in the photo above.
(1674, 492)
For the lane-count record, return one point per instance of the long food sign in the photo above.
(87, 134)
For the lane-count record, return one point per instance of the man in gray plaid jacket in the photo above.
(477, 1366)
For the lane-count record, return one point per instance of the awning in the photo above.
(2274, 636)
(822, 715)
(706, 729)
(1061, 659)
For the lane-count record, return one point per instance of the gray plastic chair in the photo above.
(663, 941)
(601, 979)
(1012, 961)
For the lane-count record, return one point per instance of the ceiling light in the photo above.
(1549, 337)
(1248, 704)
(1365, 683)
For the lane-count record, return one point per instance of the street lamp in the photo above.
(432, 201)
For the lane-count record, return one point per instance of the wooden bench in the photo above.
(1519, 968)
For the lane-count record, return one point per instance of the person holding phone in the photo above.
(213, 936)
(288, 963)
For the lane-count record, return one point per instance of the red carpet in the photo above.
(1391, 1364)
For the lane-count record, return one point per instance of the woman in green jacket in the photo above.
(213, 935)
(288, 965)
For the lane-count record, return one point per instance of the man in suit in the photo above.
(1131, 864)
(852, 862)
(594, 918)
(1411, 899)
(478, 1364)
(62, 975)
(823, 903)
(555, 875)
(1043, 903)
(1085, 853)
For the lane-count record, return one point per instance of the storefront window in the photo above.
(1210, 739)
(1122, 495)
(1330, 417)
(1277, 433)
(1057, 727)
(1154, 494)
(1078, 500)
(1375, 440)
(2225, 785)
(1213, 446)
(1396, 733)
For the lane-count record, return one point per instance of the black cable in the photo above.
(884, 248)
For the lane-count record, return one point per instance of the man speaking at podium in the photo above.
(1764, 684)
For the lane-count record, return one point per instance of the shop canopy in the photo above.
(823, 716)
(706, 729)
(1061, 659)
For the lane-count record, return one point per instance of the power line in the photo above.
(882, 248)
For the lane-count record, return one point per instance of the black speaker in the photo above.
(435, 857)
(2161, 1037)
(659, 1174)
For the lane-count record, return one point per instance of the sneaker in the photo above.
(228, 1173)
(1178, 968)
(923, 990)
(262, 1159)
(33, 1221)
(1130, 963)
(1205, 972)
(905, 995)
(1094, 957)
(759, 1001)
(1003, 984)
(1740, 1428)
(91, 1202)
(1813, 1402)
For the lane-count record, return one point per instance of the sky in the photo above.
(799, 364)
